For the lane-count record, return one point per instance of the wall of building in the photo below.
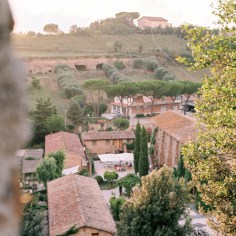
(144, 22)
(106, 146)
(89, 231)
(166, 149)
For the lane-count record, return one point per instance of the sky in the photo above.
(34, 14)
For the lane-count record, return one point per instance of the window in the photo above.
(94, 142)
(95, 234)
(114, 108)
(107, 142)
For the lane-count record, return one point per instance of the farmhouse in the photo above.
(173, 130)
(142, 105)
(153, 22)
(75, 200)
(69, 143)
(102, 142)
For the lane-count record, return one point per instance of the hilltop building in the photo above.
(153, 22)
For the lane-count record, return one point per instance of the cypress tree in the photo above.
(143, 155)
(137, 147)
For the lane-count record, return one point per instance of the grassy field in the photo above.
(94, 45)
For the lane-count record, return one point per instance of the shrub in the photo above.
(138, 63)
(130, 146)
(36, 83)
(84, 172)
(99, 179)
(140, 115)
(119, 64)
(117, 46)
(160, 72)
(168, 77)
(151, 64)
(61, 68)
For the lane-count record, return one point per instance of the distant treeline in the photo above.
(121, 24)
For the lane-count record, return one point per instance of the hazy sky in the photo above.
(34, 14)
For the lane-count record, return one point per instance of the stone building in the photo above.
(153, 22)
(102, 142)
(173, 130)
(75, 200)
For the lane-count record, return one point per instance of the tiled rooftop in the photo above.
(179, 126)
(100, 135)
(77, 200)
(70, 144)
(151, 18)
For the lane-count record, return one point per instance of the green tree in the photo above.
(115, 205)
(211, 159)
(180, 168)
(76, 115)
(121, 123)
(174, 89)
(32, 218)
(51, 28)
(36, 83)
(47, 170)
(189, 88)
(128, 182)
(153, 89)
(43, 110)
(143, 155)
(59, 158)
(95, 88)
(55, 123)
(137, 147)
(156, 207)
(111, 176)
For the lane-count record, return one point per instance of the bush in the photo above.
(99, 179)
(84, 172)
(61, 68)
(140, 115)
(160, 72)
(130, 146)
(168, 77)
(138, 63)
(36, 83)
(119, 64)
(117, 46)
(151, 64)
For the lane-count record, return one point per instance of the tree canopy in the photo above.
(51, 28)
(211, 159)
(55, 123)
(156, 207)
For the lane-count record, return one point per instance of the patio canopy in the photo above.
(117, 158)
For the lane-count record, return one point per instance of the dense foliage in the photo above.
(137, 141)
(211, 159)
(156, 207)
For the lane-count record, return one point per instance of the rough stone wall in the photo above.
(13, 127)
(166, 149)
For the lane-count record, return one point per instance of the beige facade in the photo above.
(153, 22)
(107, 146)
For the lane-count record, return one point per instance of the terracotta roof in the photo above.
(30, 166)
(151, 18)
(77, 200)
(179, 126)
(70, 144)
(100, 135)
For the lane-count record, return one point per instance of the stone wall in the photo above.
(166, 149)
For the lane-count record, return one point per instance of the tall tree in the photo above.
(137, 147)
(51, 28)
(121, 123)
(43, 110)
(95, 88)
(124, 91)
(189, 88)
(153, 89)
(55, 123)
(143, 165)
(156, 207)
(47, 170)
(76, 115)
(211, 159)
(59, 158)
(174, 90)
